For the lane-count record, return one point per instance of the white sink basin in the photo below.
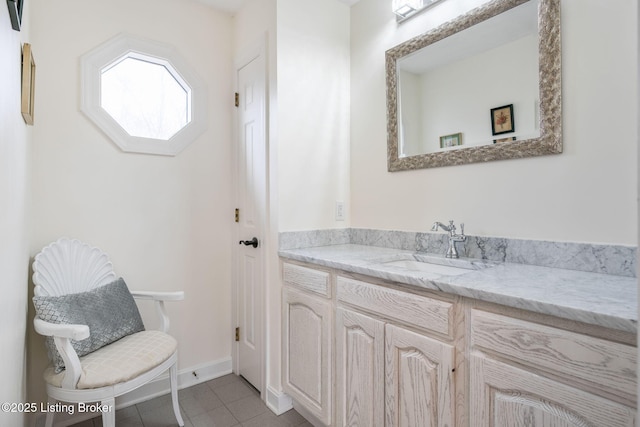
(433, 265)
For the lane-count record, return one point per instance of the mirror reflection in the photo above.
(448, 89)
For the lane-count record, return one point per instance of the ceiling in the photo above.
(232, 6)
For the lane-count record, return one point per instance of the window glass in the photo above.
(144, 98)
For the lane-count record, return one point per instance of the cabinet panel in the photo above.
(428, 313)
(359, 370)
(419, 383)
(307, 278)
(580, 357)
(307, 352)
(506, 396)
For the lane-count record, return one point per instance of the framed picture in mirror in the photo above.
(502, 120)
(451, 140)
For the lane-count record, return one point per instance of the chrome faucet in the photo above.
(452, 252)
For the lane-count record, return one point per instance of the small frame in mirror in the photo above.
(502, 120)
(451, 140)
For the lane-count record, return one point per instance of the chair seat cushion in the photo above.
(120, 361)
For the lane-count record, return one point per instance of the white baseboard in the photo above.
(186, 378)
(277, 401)
(159, 386)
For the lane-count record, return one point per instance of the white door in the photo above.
(252, 201)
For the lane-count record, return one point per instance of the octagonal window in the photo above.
(142, 95)
(147, 99)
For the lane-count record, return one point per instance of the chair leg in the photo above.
(173, 382)
(49, 420)
(109, 417)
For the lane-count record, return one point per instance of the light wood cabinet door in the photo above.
(419, 380)
(505, 396)
(594, 363)
(307, 351)
(359, 370)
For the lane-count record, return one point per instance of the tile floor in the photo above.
(227, 401)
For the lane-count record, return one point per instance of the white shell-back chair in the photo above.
(69, 267)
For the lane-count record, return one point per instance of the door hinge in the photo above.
(238, 334)
(237, 215)
(237, 99)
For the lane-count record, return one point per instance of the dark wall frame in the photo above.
(15, 13)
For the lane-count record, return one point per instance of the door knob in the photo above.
(253, 242)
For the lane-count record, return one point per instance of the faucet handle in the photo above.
(462, 228)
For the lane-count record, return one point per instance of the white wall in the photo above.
(313, 113)
(588, 193)
(165, 221)
(15, 154)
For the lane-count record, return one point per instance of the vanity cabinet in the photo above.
(419, 358)
(307, 339)
(547, 376)
(389, 372)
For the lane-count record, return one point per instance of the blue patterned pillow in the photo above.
(109, 311)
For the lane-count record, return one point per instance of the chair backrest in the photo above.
(69, 266)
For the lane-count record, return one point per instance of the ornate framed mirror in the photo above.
(449, 89)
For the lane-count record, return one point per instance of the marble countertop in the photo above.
(593, 298)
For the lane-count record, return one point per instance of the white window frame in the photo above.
(92, 63)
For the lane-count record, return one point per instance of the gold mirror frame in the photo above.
(549, 52)
(28, 84)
